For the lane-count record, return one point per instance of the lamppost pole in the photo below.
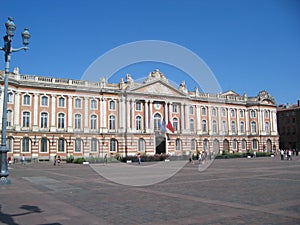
(10, 28)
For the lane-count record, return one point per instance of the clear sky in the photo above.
(250, 45)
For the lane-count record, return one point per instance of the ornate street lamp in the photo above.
(10, 29)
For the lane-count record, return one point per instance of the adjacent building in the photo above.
(289, 126)
(49, 116)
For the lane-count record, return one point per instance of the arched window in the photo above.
(44, 145)
(224, 126)
(242, 127)
(138, 123)
(244, 144)
(141, 145)
(44, 120)
(44, 101)
(157, 121)
(203, 111)
(253, 127)
(214, 111)
(232, 113)
(266, 114)
(241, 113)
(93, 122)
(223, 112)
(191, 110)
(234, 144)
(214, 127)
(233, 130)
(26, 100)
(204, 126)
(138, 106)
(26, 119)
(93, 104)
(112, 122)
(10, 97)
(61, 102)
(25, 144)
(61, 121)
(252, 113)
(113, 145)
(9, 144)
(78, 103)
(205, 145)
(112, 105)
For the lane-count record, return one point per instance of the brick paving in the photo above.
(230, 191)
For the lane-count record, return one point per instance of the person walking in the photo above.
(58, 160)
(23, 160)
(54, 163)
(282, 154)
(139, 159)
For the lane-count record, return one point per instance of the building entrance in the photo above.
(160, 144)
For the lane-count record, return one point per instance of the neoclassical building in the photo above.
(54, 116)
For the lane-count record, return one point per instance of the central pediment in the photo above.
(158, 88)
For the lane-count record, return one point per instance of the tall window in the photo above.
(26, 100)
(192, 125)
(61, 121)
(193, 144)
(204, 126)
(93, 104)
(138, 106)
(267, 128)
(9, 118)
(61, 102)
(233, 130)
(203, 111)
(113, 145)
(112, 105)
(141, 145)
(93, 122)
(253, 127)
(214, 111)
(138, 122)
(242, 127)
(112, 122)
(44, 145)
(157, 121)
(44, 101)
(224, 126)
(191, 110)
(61, 145)
(244, 143)
(44, 120)
(232, 113)
(78, 103)
(10, 97)
(77, 121)
(175, 124)
(205, 145)
(254, 144)
(94, 145)
(252, 113)
(9, 144)
(25, 144)
(214, 127)
(234, 144)
(26, 119)
(241, 113)
(178, 144)
(78, 145)
(223, 112)
(175, 108)
(266, 114)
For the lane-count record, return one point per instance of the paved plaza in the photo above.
(230, 191)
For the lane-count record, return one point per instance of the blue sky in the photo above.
(250, 45)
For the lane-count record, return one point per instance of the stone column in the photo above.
(198, 119)
(146, 116)
(70, 113)
(151, 120)
(17, 112)
(53, 113)
(182, 119)
(86, 115)
(35, 112)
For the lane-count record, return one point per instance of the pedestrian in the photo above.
(54, 163)
(58, 160)
(200, 158)
(139, 159)
(23, 159)
(282, 154)
(105, 158)
(9, 160)
(289, 154)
